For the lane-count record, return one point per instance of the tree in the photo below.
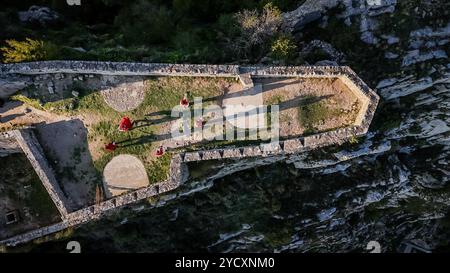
(144, 23)
(256, 28)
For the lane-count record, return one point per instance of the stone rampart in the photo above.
(35, 155)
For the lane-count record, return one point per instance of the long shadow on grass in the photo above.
(296, 102)
(276, 84)
(284, 105)
(143, 140)
(148, 122)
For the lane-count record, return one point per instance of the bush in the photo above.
(283, 48)
(113, 54)
(256, 29)
(28, 50)
(145, 23)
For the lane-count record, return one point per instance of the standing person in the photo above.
(184, 102)
(111, 147)
(160, 151)
(125, 124)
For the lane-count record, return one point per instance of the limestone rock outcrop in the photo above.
(42, 16)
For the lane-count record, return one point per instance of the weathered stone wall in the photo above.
(9, 85)
(93, 212)
(96, 211)
(118, 68)
(35, 155)
(368, 98)
(8, 144)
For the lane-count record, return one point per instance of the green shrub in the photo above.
(145, 23)
(28, 50)
(283, 48)
(256, 30)
(312, 112)
(36, 103)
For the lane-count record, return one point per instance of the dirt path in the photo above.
(16, 114)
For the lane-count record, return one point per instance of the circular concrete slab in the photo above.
(124, 173)
(125, 96)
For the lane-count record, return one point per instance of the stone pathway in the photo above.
(237, 103)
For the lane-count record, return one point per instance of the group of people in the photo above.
(126, 125)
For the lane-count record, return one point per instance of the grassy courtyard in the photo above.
(152, 119)
(84, 120)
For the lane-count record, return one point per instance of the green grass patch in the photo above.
(90, 103)
(166, 92)
(276, 99)
(162, 94)
(311, 114)
(36, 103)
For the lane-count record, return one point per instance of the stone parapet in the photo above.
(119, 68)
(33, 150)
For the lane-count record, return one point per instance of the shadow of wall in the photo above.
(65, 146)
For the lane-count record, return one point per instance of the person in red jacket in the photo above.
(184, 102)
(111, 147)
(125, 124)
(160, 151)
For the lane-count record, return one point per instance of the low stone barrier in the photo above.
(33, 150)
(119, 68)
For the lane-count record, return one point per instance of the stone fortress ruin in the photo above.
(257, 84)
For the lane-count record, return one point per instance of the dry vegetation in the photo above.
(310, 105)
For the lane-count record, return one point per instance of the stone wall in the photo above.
(176, 177)
(33, 150)
(8, 144)
(98, 210)
(369, 99)
(118, 68)
(9, 85)
(31, 147)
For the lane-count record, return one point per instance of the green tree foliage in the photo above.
(283, 48)
(256, 29)
(146, 23)
(27, 50)
(208, 10)
(200, 31)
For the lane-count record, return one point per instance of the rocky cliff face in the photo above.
(392, 186)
